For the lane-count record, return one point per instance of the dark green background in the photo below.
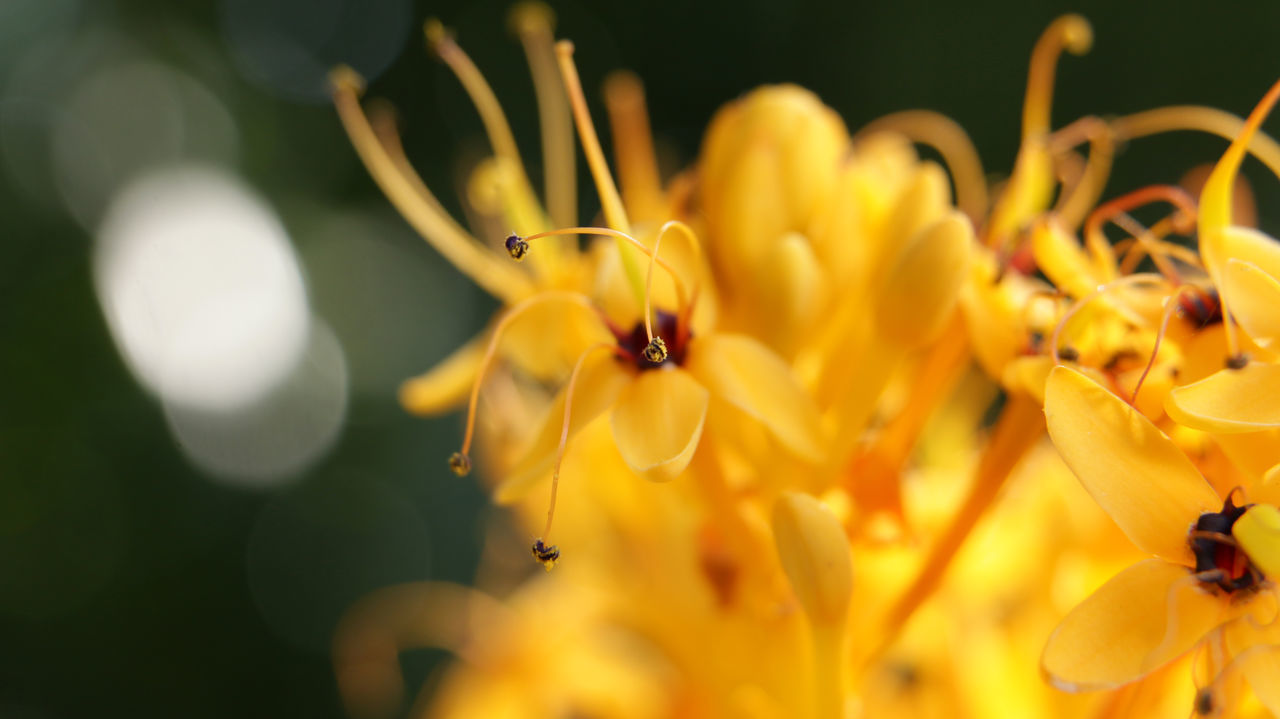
(125, 575)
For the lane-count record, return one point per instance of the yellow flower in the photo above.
(1203, 579)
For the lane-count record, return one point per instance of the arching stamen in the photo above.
(564, 436)
(519, 246)
(438, 228)
(1210, 120)
(1074, 203)
(633, 145)
(952, 142)
(534, 22)
(1140, 279)
(1070, 32)
(495, 121)
(1170, 308)
(1136, 247)
(1205, 697)
(462, 457)
(615, 213)
(1112, 210)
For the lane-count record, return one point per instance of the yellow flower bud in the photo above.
(815, 556)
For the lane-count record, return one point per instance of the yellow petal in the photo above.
(1254, 297)
(1131, 468)
(1141, 619)
(748, 375)
(814, 550)
(657, 422)
(1063, 260)
(924, 284)
(446, 385)
(601, 380)
(1258, 532)
(1256, 649)
(1230, 400)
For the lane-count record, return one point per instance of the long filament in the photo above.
(1070, 32)
(1140, 279)
(1155, 348)
(1210, 120)
(471, 258)
(633, 145)
(615, 213)
(1076, 203)
(1113, 209)
(564, 425)
(683, 296)
(485, 101)
(533, 23)
(507, 318)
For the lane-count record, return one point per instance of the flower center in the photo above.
(666, 327)
(1219, 558)
(1202, 308)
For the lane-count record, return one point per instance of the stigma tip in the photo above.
(656, 351)
(546, 556)
(460, 464)
(517, 247)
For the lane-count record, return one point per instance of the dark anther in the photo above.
(460, 464)
(1068, 354)
(1239, 361)
(546, 556)
(656, 350)
(517, 247)
(1217, 555)
(1204, 702)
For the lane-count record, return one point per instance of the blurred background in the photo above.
(206, 307)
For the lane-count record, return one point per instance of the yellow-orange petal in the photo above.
(814, 551)
(924, 284)
(748, 375)
(1230, 400)
(601, 380)
(1258, 532)
(1141, 619)
(1132, 469)
(657, 422)
(446, 385)
(1254, 298)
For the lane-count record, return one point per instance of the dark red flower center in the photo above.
(1217, 553)
(667, 327)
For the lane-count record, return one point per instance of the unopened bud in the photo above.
(814, 551)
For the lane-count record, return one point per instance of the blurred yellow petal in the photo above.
(446, 385)
(657, 422)
(599, 384)
(1230, 400)
(1258, 532)
(1254, 297)
(748, 375)
(1142, 618)
(1059, 255)
(924, 285)
(1131, 468)
(814, 551)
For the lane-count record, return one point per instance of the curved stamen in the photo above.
(507, 318)
(633, 145)
(952, 142)
(1209, 120)
(1113, 210)
(1170, 308)
(407, 193)
(615, 213)
(1080, 304)
(533, 22)
(564, 425)
(518, 246)
(1069, 32)
(495, 121)
(1074, 203)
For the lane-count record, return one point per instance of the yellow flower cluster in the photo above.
(799, 393)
